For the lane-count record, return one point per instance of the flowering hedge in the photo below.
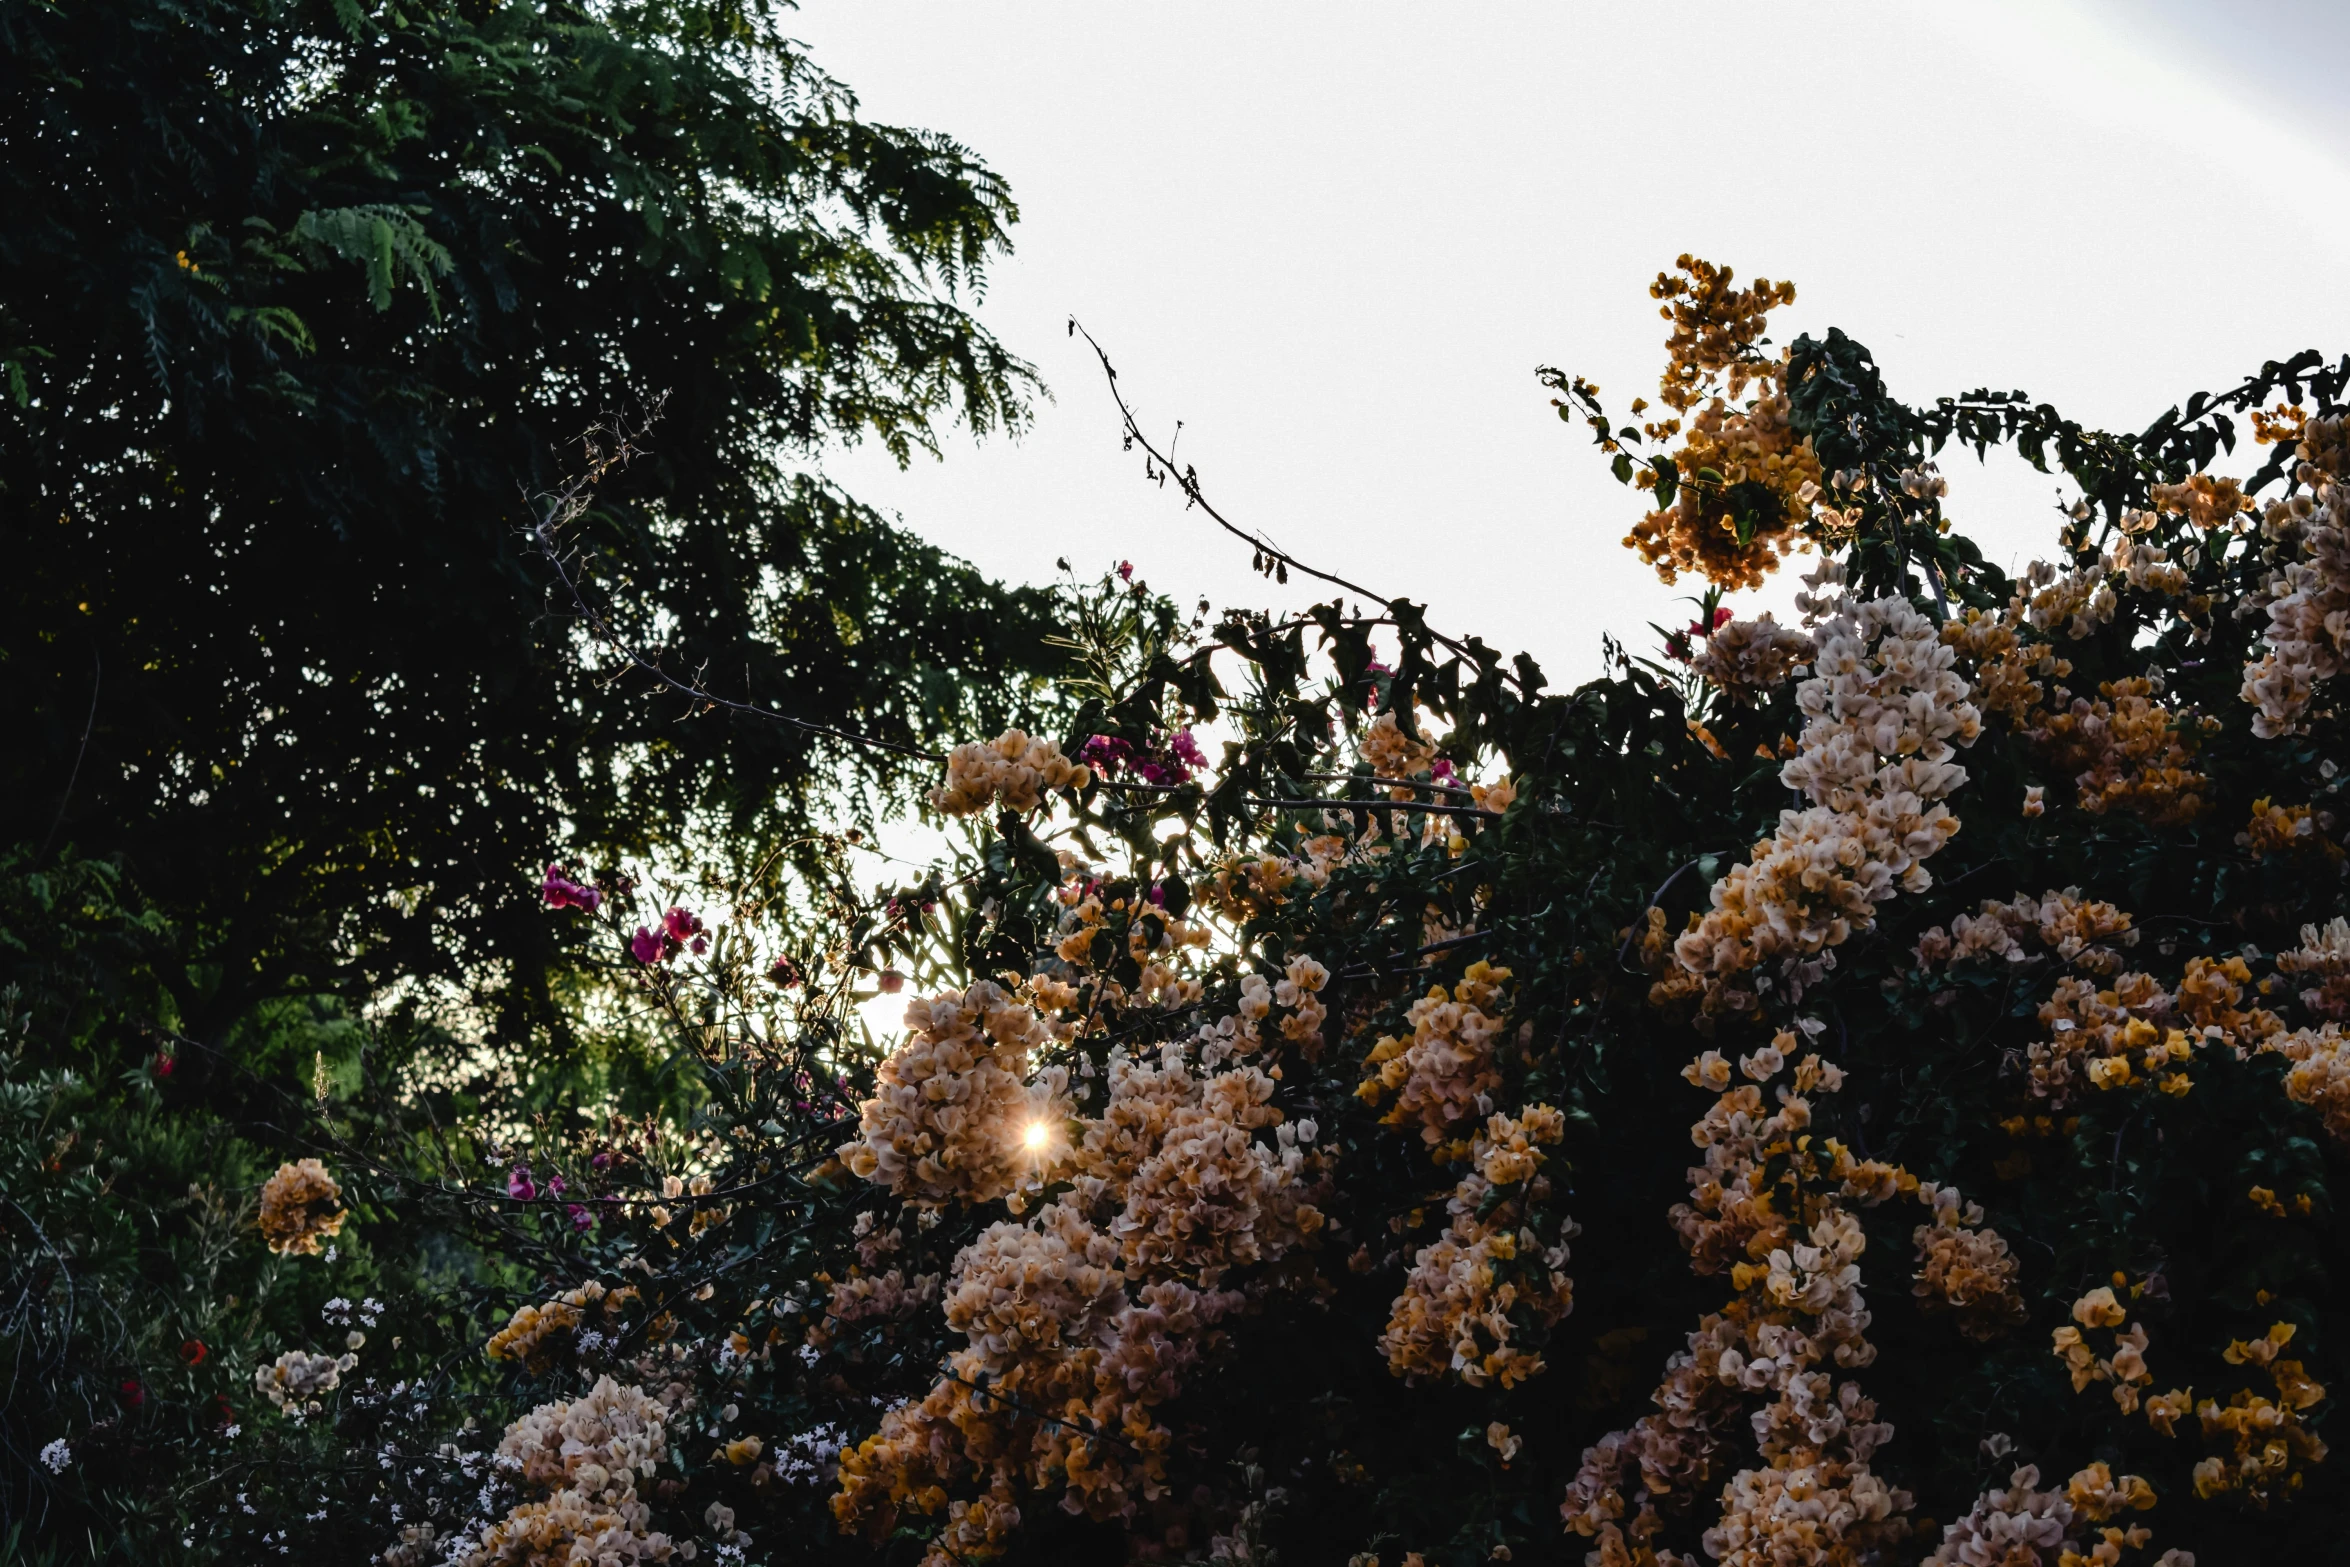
(1867, 1090)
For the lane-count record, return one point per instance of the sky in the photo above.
(1334, 242)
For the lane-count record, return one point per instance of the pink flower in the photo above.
(561, 892)
(557, 1186)
(785, 975)
(1125, 571)
(520, 1186)
(701, 944)
(165, 1065)
(891, 981)
(1186, 749)
(680, 926)
(580, 1218)
(646, 947)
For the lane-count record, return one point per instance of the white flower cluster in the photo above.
(2084, 934)
(2075, 601)
(2022, 1524)
(2308, 603)
(298, 1377)
(1885, 708)
(1745, 658)
(588, 1455)
(1965, 1267)
(2320, 1074)
(2321, 966)
(951, 1105)
(1011, 770)
(1298, 992)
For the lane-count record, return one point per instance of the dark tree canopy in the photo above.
(302, 304)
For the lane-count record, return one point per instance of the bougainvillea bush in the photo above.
(1864, 1089)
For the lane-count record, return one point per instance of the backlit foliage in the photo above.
(1876, 1098)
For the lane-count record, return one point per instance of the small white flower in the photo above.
(56, 1456)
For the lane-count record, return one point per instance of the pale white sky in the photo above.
(1336, 240)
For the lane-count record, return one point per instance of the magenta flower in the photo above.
(520, 1186)
(580, 1218)
(646, 947)
(1125, 571)
(680, 926)
(561, 892)
(557, 1186)
(1106, 755)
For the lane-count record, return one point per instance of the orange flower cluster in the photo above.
(300, 1206)
(2122, 749)
(1441, 1076)
(1473, 1293)
(2208, 993)
(535, 1333)
(1768, 1206)
(2008, 671)
(1087, 937)
(2123, 1365)
(1244, 886)
(2125, 752)
(951, 1104)
(1083, 1319)
(2108, 1039)
(1747, 482)
(587, 1456)
(2275, 829)
(2272, 1444)
(1393, 754)
(1012, 771)
(2205, 501)
(1964, 1267)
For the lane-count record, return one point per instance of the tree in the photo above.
(303, 307)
